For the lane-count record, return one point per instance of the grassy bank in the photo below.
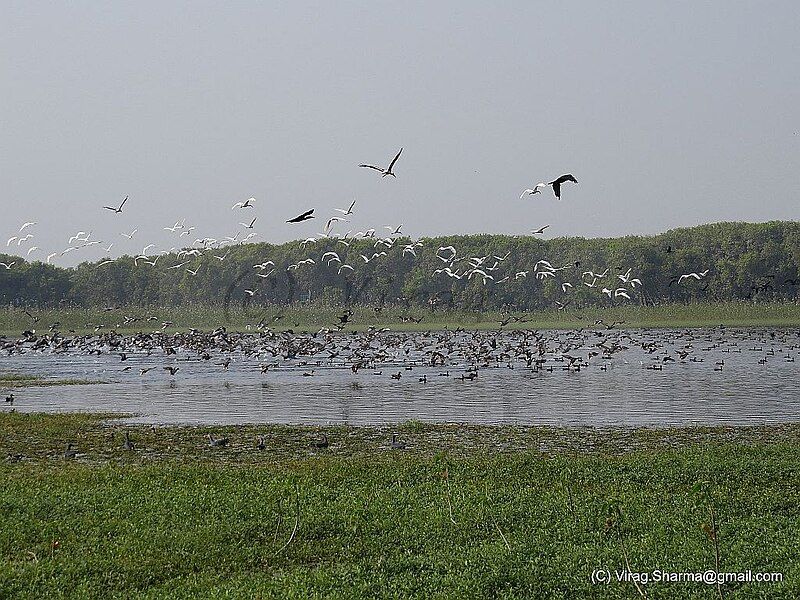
(463, 512)
(20, 380)
(312, 318)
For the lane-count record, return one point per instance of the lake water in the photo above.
(758, 383)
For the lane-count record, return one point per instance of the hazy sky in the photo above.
(669, 114)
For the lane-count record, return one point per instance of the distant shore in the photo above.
(306, 318)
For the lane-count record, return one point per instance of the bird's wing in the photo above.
(123, 203)
(563, 178)
(372, 167)
(110, 208)
(557, 188)
(394, 160)
(351, 206)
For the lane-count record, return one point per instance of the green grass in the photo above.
(465, 512)
(21, 380)
(313, 318)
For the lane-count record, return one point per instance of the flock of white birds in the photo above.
(489, 269)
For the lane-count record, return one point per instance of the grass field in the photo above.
(313, 318)
(463, 512)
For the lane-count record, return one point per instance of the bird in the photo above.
(349, 210)
(321, 443)
(26, 225)
(70, 452)
(260, 444)
(117, 209)
(540, 230)
(10, 399)
(393, 230)
(246, 204)
(388, 171)
(217, 442)
(172, 370)
(309, 214)
(397, 444)
(8, 266)
(129, 235)
(250, 226)
(556, 183)
(535, 190)
(127, 444)
(193, 273)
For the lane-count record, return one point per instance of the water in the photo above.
(626, 392)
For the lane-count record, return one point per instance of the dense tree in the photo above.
(759, 262)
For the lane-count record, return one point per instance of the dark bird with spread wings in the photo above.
(381, 170)
(557, 183)
(117, 209)
(309, 214)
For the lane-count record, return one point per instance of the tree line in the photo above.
(758, 262)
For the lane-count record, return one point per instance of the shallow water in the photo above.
(626, 393)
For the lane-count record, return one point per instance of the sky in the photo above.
(669, 114)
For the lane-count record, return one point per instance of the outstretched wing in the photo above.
(123, 203)
(563, 178)
(372, 167)
(391, 164)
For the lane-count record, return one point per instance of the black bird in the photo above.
(260, 444)
(117, 209)
(397, 444)
(557, 183)
(172, 370)
(321, 443)
(309, 214)
(10, 399)
(70, 452)
(127, 444)
(385, 172)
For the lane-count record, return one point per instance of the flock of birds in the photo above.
(489, 269)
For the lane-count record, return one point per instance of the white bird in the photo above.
(333, 255)
(250, 293)
(250, 226)
(51, 257)
(482, 274)
(349, 210)
(146, 248)
(343, 267)
(264, 265)
(536, 189)
(179, 265)
(109, 248)
(624, 278)
(11, 241)
(607, 292)
(520, 274)
(129, 235)
(223, 257)
(24, 239)
(26, 225)
(193, 273)
(621, 292)
(331, 221)
(689, 276)
(7, 265)
(31, 249)
(565, 286)
(388, 171)
(105, 262)
(246, 204)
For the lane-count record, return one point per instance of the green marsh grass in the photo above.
(465, 512)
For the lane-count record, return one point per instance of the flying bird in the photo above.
(250, 226)
(385, 172)
(117, 209)
(349, 210)
(309, 214)
(556, 183)
(540, 230)
(246, 204)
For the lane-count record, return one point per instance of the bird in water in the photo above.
(10, 399)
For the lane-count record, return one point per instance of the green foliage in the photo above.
(745, 262)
